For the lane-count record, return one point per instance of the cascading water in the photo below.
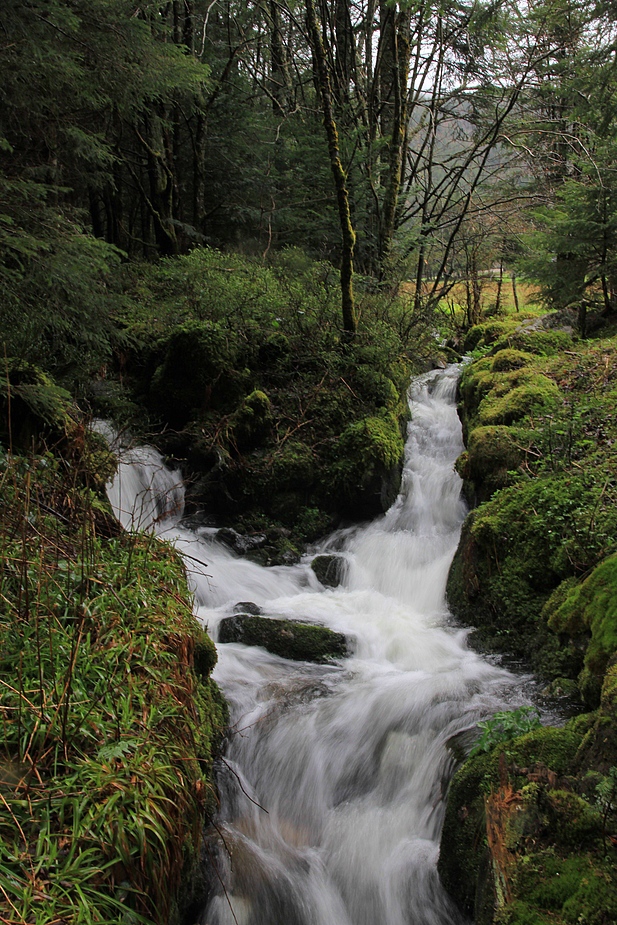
(332, 794)
(144, 494)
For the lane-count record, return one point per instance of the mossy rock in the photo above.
(497, 591)
(477, 380)
(599, 748)
(509, 359)
(571, 820)
(275, 352)
(366, 472)
(492, 452)
(204, 654)
(538, 395)
(376, 389)
(563, 890)
(465, 864)
(483, 335)
(330, 569)
(307, 642)
(196, 372)
(590, 608)
(292, 466)
(251, 423)
(539, 342)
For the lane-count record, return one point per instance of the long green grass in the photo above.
(106, 730)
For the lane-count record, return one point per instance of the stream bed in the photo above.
(334, 780)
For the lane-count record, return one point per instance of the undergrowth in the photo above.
(107, 730)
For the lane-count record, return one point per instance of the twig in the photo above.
(248, 796)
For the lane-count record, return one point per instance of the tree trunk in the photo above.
(515, 293)
(499, 287)
(399, 62)
(348, 235)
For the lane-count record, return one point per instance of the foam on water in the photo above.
(332, 795)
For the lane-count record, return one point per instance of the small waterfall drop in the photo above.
(144, 493)
(332, 791)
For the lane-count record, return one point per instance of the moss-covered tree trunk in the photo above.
(399, 56)
(348, 235)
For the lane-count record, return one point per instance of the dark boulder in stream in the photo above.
(306, 642)
(330, 569)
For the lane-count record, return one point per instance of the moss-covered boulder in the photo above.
(307, 642)
(366, 472)
(330, 569)
(587, 615)
(515, 550)
(509, 807)
(508, 359)
(517, 394)
(196, 371)
(251, 423)
(493, 452)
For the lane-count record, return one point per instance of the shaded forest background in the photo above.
(458, 139)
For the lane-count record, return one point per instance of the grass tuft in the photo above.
(107, 732)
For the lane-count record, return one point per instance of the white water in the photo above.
(144, 494)
(334, 780)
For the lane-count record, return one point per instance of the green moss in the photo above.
(515, 550)
(595, 901)
(508, 359)
(492, 452)
(519, 912)
(462, 858)
(553, 747)
(292, 466)
(542, 343)
(196, 371)
(476, 381)
(570, 890)
(591, 606)
(376, 389)
(287, 638)
(366, 466)
(204, 654)
(505, 405)
(573, 822)
(483, 335)
(251, 423)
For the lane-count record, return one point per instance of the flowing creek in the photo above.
(333, 783)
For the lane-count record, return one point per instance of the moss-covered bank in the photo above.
(527, 838)
(542, 472)
(109, 717)
(276, 420)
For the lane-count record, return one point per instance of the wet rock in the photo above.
(239, 542)
(307, 642)
(330, 569)
(247, 607)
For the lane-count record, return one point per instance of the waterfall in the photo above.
(333, 785)
(144, 493)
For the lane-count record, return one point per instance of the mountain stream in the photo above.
(333, 783)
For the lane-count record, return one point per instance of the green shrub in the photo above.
(505, 725)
